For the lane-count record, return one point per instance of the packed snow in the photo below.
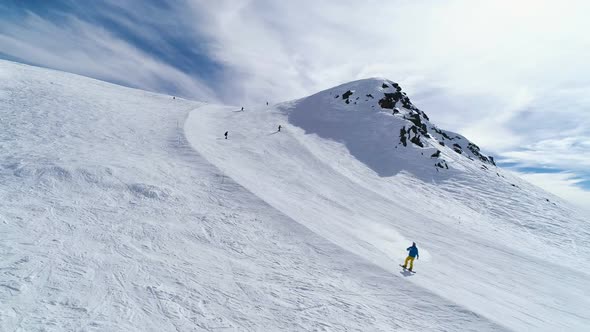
(125, 210)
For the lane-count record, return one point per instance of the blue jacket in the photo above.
(413, 251)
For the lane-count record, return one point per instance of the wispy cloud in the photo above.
(77, 46)
(564, 153)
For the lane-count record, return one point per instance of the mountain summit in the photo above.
(379, 125)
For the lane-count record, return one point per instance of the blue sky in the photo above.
(512, 76)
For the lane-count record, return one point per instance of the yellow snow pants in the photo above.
(411, 260)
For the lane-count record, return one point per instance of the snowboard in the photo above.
(405, 269)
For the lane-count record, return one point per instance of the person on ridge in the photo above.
(226, 134)
(412, 253)
(279, 128)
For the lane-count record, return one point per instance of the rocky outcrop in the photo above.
(417, 131)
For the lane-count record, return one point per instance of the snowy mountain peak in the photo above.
(376, 112)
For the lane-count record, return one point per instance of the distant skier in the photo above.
(226, 134)
(242, 109)
(267, 103)
(279, 128)
(412, 253)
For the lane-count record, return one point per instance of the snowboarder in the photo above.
(412, 253)
(279, 128)
(226, 134)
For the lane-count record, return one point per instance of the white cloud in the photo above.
(571, 153)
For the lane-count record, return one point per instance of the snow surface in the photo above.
(124, 210)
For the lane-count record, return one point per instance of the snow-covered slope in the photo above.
(490, 242)
(124, 210)
(388, 134)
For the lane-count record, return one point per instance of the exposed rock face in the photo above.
(417, 130)
(442, 164)
(346, 96)
(403, 136)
